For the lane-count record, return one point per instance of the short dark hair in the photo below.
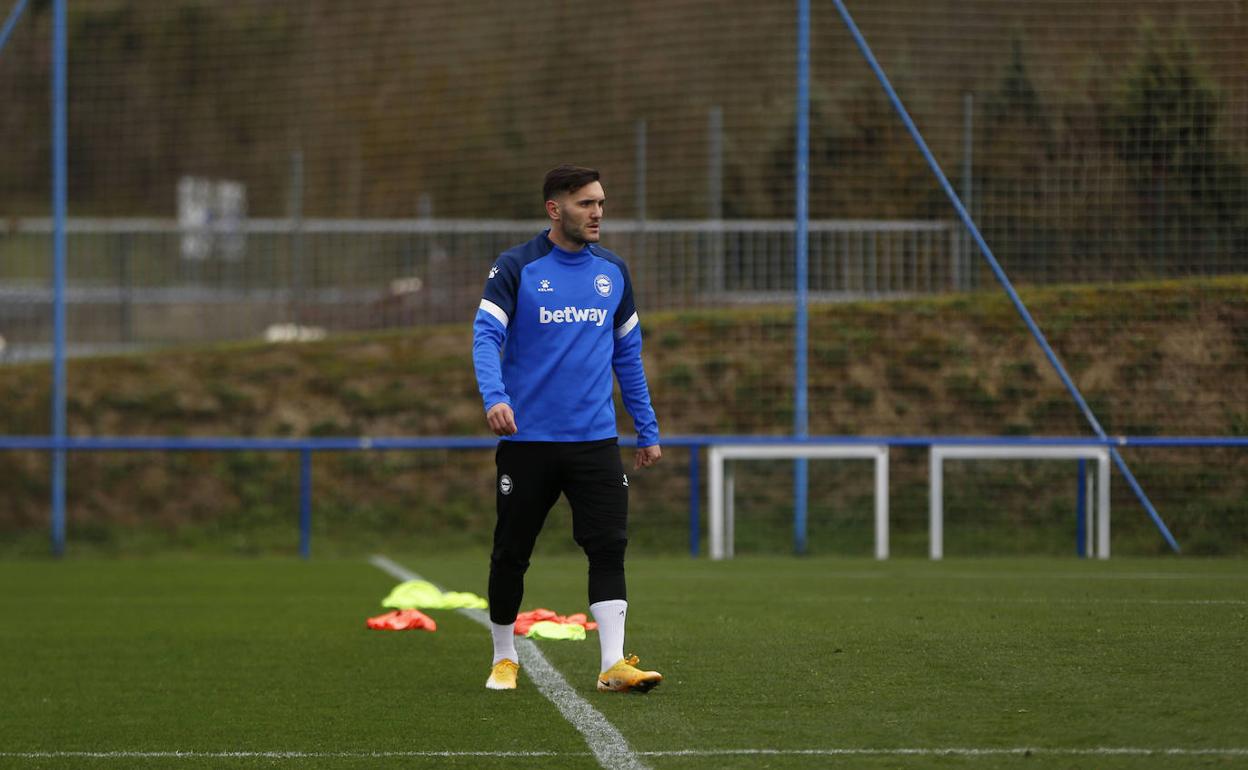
(565, 178)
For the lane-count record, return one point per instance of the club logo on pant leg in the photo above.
(625, 479)
(504, 484)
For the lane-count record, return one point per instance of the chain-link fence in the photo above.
(278, 168)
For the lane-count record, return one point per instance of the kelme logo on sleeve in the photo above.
(572, 315)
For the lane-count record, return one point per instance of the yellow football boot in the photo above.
(624, 676)
(503, 675)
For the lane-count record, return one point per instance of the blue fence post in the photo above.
(1081, 511)
(58, 273)
(695, 501)
(305, 503)
(801, 422)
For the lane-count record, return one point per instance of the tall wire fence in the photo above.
(271, 169)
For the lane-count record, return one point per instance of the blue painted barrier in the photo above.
(695, 443)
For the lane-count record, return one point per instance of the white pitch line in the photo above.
(273, 754)
(1076, 575)
(1034, 600)
(1031, 600)
(1099, 751)
(606, 742)
(935, 751)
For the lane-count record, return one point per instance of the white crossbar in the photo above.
(721, 512)
(941, 452)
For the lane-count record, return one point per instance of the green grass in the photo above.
(772, 653)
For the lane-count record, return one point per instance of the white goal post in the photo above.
(940, 453)
(721, 514)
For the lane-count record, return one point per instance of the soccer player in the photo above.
(561, 309)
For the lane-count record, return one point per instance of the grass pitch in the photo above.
(778, 662)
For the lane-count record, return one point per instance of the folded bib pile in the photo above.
(421, 594)
(542, 623)
(402, 620)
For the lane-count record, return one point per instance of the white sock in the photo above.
(504, 642)
(610, 616)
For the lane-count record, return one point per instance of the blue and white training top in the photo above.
(567, 319)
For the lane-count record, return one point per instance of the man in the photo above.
(563, 306)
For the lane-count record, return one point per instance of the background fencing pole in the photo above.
(715, 196)
(715, 163)
(639, 180)
(296, 298)
(1081, 510)
(968, 186)
(695, 495)
(58, 275)
(305, 503)
(801, 423)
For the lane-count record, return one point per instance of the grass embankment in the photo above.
(1157, 358)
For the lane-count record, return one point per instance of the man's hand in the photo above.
(647, 456)
(501, 420)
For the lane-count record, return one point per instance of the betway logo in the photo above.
(570, 315)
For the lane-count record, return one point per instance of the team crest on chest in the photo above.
(602, 285)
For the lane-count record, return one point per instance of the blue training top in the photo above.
(567, 320)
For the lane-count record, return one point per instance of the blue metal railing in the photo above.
(694, 443)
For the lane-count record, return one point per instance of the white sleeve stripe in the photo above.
(495, 311)
(623, 329)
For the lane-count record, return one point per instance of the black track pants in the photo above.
(531, 475)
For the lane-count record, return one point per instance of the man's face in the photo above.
(578, 214)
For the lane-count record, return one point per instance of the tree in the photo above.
(1189, 191)
(1014, 166)
(863, 163)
